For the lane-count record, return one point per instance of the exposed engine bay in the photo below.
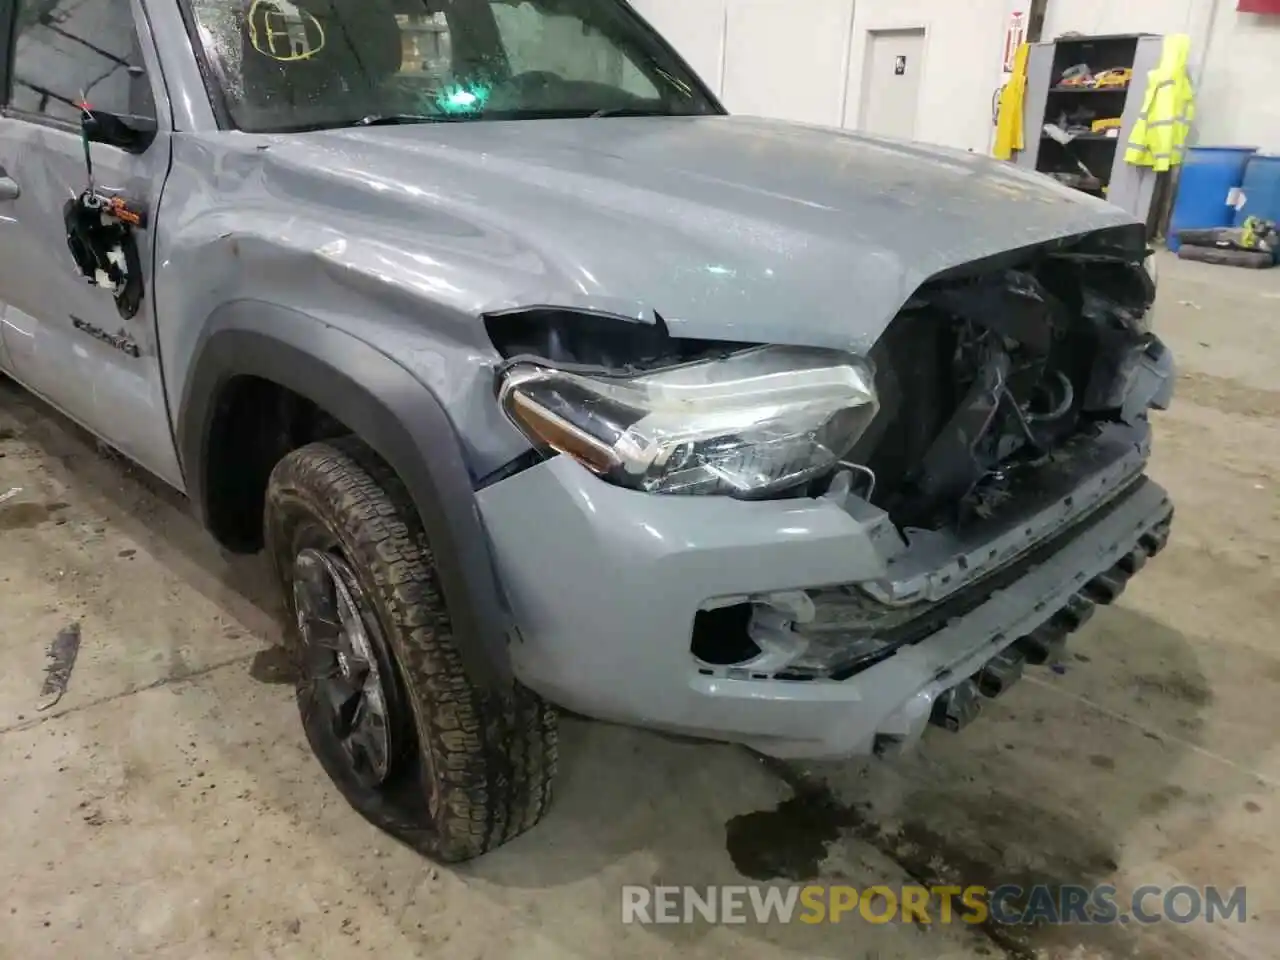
(981, 378)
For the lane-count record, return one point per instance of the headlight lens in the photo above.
(748, 425)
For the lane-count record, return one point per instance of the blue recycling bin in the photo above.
(1209, 174)
(1261, 187)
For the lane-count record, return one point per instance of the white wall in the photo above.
(1123, 16)
(1239, 100)
(773, 58)
(803, 59)
(781, 63)
(694, 27)
(1236, 58)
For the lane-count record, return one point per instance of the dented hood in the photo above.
(729, 228)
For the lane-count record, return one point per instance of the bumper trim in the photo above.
(1005, 616)
(933, 618)
(938, 565)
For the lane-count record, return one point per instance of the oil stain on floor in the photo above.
(273, 665)
(789, 842)
(27, 514)
(792, 841)
(22, 516)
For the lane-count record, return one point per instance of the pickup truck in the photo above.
(543, 380)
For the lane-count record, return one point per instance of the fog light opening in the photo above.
(721, 637)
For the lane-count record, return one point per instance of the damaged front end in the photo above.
(993, 440)
(1013, 419)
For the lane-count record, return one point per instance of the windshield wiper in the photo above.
(394, 119)
(633, 112)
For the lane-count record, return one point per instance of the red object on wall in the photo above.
(1259, 6)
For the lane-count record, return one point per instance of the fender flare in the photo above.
(390, 410)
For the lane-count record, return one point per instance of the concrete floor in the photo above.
(168, 807)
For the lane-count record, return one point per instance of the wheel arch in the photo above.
(392, 412)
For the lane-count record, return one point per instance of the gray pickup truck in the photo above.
(542, 380)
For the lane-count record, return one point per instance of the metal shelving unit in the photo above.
(1047, 100)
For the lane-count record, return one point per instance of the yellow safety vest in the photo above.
(1159, 137)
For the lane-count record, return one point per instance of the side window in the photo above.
(567, 47)
(70, 51)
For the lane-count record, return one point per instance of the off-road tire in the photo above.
(486, 758)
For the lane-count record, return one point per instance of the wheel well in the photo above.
(255, 423)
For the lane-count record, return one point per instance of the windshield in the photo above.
(310, 64)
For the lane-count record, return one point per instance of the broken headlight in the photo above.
(748, 425)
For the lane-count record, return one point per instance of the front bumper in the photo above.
(605, 583)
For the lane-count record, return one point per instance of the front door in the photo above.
(66, 339)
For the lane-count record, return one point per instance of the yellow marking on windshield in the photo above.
(281, 31)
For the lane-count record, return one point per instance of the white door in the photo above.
(891, 84)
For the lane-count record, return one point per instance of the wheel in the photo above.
(450, 769)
